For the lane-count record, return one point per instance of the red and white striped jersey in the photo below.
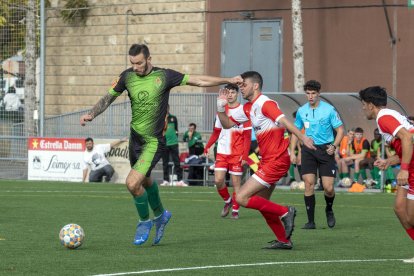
(231, 141)
(264, 115)
(389, 123)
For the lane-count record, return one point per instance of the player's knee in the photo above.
(241, 199)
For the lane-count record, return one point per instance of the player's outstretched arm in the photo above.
(206, 81)
(99, 107)
(308, 142)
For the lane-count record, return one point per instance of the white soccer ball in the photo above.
(301, 185)
(346, 182)
(293, 185)
(71, 236)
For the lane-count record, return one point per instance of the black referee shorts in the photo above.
(319, 159)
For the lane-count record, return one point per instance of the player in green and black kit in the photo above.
(148, 89)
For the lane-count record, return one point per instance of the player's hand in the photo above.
(85, 118)
(222, 100)
(237, 80)
(331, 149)
(244, 163)
(382, 164)
(308, 142)
(293, 159)
(402, 177)
(205, 152)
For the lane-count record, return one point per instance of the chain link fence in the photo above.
(13, 140)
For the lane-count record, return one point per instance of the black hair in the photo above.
(312, 85)
(89, 139)
(194, 125)
(11, 90)
(375, 94)
(254, 76)
(137, 49)
(232, 86)
(359, 130)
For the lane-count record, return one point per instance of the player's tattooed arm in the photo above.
(102, 105)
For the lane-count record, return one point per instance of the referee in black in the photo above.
(319, 119)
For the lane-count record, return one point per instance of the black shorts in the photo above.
(319, 159)
(145, 152)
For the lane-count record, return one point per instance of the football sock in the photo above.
(235, 206)
(264, 205)
(141, 202)
(410, 232)
(292, 171)
(224, 193)
(310, 207)
(276, 225)
(389, 174)
(356, 176)
(154, 199)
(329, 202)
(341, 175)
(346, 174)
(364, 174)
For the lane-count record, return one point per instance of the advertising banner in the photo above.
(55, 158)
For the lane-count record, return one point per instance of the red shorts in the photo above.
(272, 170)
(232, 163)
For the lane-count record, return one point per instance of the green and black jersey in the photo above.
(149, 97)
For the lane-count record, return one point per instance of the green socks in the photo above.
(154, 199)
(356, 176)
(141, 202)
(364, 174)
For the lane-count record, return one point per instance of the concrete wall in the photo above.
(346, 43)
(82, 62)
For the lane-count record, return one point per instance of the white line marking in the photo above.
(242, 265)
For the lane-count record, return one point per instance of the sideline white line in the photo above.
(242, 265)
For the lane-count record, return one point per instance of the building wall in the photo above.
(346, 43)
(82, 61)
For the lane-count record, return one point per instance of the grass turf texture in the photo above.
(32, 214)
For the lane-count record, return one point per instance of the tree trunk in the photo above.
(298, 63)
(30, 70)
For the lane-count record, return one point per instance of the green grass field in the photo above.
(367, 239)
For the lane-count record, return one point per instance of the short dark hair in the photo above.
(312, 85)
(11, 90)
(375, 94)
(359, 130)
(193, 124)
(232, 86)
(137, 49)
(254, 76)
(89, 139)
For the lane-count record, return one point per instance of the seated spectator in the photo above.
(359, 151)
(343, 152)
(95, 160)
(11, 101)
(195, 148)
(375, 151)
(193, 138)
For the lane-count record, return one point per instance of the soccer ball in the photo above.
(71, 236)
(346, 182)
(301, 185)
(293, 185)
